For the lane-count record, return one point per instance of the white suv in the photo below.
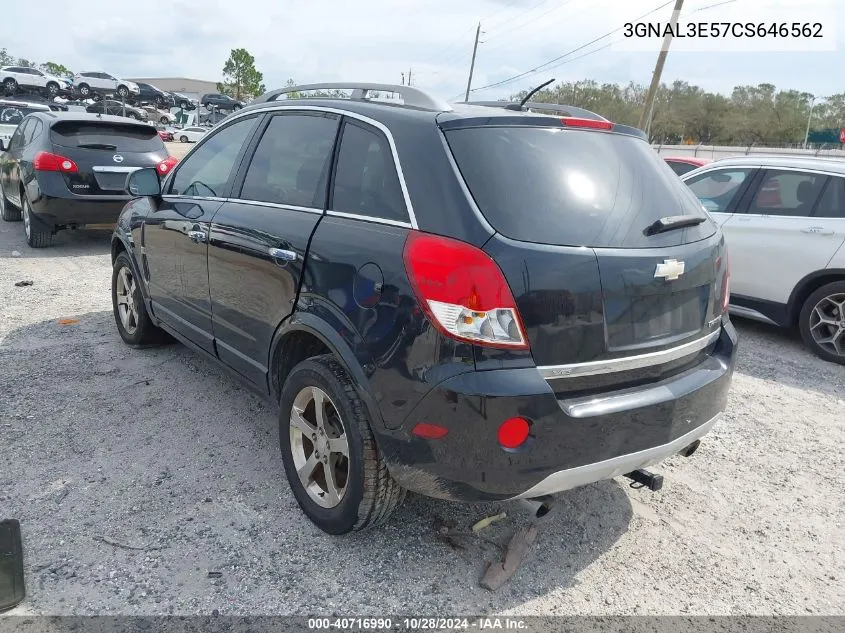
(96, 82)
(13, 77)
(784, 224)
(11, 114)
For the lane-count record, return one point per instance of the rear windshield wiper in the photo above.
(673, 222)
(108, 146)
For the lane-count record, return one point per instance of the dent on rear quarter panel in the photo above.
(355, 279)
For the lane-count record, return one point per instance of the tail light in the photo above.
(463, 291)
(45, 161)
(571, 121)
(166, 165)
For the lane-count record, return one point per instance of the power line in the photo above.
(524, 24)
(524, 13)
(568, 53)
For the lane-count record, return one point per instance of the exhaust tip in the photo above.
(689, 450)
(538, 507)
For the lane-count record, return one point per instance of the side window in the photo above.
(365, 181)
(206, 172)
(26, 128)
(681, 168)
(790, 193)
(37, 127)
(719, 188)
(16, 141)
(291, 163)
(832, 204)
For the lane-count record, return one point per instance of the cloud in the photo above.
(380, 39)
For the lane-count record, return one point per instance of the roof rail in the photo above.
(565, 110)
(411, 96)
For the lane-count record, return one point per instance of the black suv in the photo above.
(471, 302)
(221, 102)
(150, 94)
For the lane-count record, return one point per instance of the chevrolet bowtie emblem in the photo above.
(669, 270)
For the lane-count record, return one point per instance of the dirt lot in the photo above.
(136, 473)
(178, 149)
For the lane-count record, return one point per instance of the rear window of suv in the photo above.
(573, 187)
(125, 137)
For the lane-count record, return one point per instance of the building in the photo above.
(191, 88)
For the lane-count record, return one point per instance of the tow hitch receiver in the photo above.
(646, 479)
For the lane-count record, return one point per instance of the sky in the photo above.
(378, 40)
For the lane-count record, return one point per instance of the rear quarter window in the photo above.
(126, 137)
(573, 187)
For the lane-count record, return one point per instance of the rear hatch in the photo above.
(105, 152)
(595, 273)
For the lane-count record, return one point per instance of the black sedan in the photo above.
(117, 108)
(68, 170)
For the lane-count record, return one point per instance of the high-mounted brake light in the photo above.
(45, 161)
(571, 121)
(166, 165)
(463, 291)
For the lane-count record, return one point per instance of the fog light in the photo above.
(513, 432)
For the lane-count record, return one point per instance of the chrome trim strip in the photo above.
(613, 365)
(367, 218)
(171, 196)
(615, 466)
(275, 105)
(276, 205)
(748, 313)
(100, 169)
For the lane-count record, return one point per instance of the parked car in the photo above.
(68, 170)
(12, 112)
(181, 101)
(16, 77)
(474, 303)
(165, 135)
(159, 116)
(784, 222)
(191, 134)
(685, 164)
(147, 93)
(221, 102)
(35, 98)
(89, 83)
(117, 108)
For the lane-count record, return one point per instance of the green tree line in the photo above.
(760, 115)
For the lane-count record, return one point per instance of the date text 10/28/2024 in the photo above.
(417, 624)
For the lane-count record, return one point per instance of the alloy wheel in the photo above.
(320, 447)
(126, 307)
(827, 324)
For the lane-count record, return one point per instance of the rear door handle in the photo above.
(197, 236)
(282, 254)
(817, 230)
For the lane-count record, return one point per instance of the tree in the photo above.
(240, 77)
(59, 70)
(5, 58)
(23, 61)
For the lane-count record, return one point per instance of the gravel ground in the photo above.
(137, 473)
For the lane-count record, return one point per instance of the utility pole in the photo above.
(472, 64)
(648, 110)
(410, 70)
(403, 79)
(809, 118)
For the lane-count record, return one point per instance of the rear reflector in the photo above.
(45, 161)
(513, 432)
(463, 291)
(165, 166)
(430, 431)
(572, 121)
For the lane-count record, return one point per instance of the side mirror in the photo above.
(143, 182)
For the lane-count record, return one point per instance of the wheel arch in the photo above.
(304, 335)
(120, 245)
(807, 286)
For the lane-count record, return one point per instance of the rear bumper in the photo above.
(574, 440)
(77, 210)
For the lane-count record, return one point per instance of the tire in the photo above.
(183, 139)
(7, 211)
(52, 89)
(84, 90)
(828, 302)
(123, 92)
(368, 494)
(163, 119)
(135, 116)
(38, 235)
(10, 86)
(236, 107)
(138, 330)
